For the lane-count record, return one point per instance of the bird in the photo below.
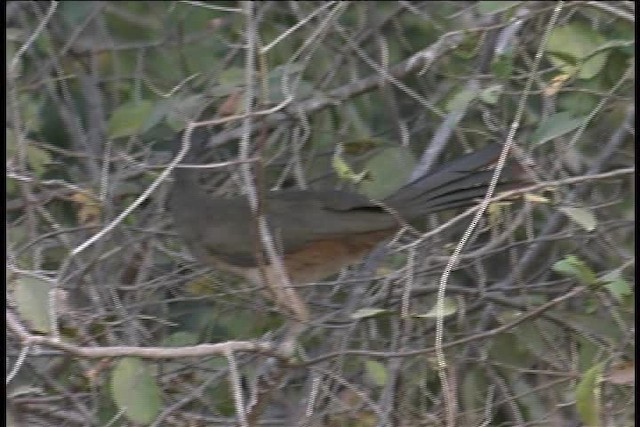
(316, 232)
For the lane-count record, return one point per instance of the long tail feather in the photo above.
(456, 184)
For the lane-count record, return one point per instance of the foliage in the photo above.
(539, 307)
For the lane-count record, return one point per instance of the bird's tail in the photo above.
(460, 183)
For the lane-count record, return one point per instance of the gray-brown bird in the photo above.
(318, 232)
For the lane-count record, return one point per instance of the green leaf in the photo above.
(604, 328)
(577, 103)
(489, 7)
(31, 113)
(617, 286)
(180, 339)
(571, 48)
(377, 372)
(290, 69)
(588, 396)
(11, 142)
(449, 307)
(158, 113)
(38, 159)
(619, 289)
(364, 313)
(181, 109)
(612, 44)
(491, 94)
(502, 65)
(587, 353)
(591, 305)
(472, 397)
(129, 118)
(232, 77)
(387, 171)
(301, 90)
(581, 216)
(538, 338)
(461, 100)
(32, 300)
(134, 390)
(571, 266)
(75, 12)
(529, 399)
(555, 126)
(610, 276)
(506, 349)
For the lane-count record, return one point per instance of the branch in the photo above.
(202, 350)
(430, 350)
(415, 63)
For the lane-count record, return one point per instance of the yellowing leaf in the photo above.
(556, 84)
(536, 198)
(90, 209)
(495, 212)
(364, 313)
(449, 307)
(581, 216)
(345, 172)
